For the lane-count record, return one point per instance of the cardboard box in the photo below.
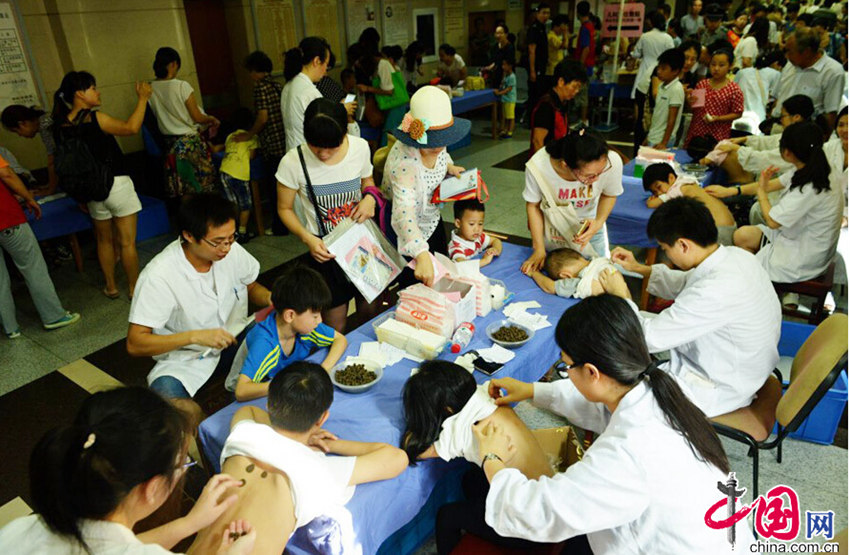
(464, 310)
(469, 271)
(562, 445)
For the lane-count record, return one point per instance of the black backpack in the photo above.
(82, 176)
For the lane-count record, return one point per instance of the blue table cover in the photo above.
(379, 509)
(472, 100)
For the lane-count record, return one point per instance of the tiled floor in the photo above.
(90, 355)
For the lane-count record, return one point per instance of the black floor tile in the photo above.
(515, 162)
(27, 414)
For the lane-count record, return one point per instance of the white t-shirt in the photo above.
(337, 187)
(669, 95)
(804, 246)
(584, 198)
(294, 99)
(649, 46)
(452, 71)
(30, 534)
(319, 482)
(169, 105)
(385, 74)
(172, 297)
(747, 48)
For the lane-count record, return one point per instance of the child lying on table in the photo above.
(288, 480)
(441, 403)
(572, 275)
(291, 332)
(660, 179)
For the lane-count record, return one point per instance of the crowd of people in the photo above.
(700, 79)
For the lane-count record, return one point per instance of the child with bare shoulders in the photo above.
(281, 459)
(661, 180)
(441, 403)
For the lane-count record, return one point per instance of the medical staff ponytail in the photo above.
(439, 390)
(308, 49)
(121, 438)
(604, 331)
(805, 141)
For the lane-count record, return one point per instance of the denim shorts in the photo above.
(170, 388)
(237, 191)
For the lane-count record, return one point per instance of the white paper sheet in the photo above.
(452, 186)
(497, 354)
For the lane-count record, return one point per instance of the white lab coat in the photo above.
(723, 330)
(638, 489)
(649, 46)
(171, 297)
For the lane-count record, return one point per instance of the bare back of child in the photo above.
(265, 499)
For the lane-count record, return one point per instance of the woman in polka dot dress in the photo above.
(724, 101)
(415, 167)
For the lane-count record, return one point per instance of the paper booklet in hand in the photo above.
(365, 255)
(468, 186)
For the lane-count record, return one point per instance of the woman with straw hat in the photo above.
(416, 165)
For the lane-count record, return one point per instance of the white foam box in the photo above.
(468, 271)
(418, 342)
(464, 310)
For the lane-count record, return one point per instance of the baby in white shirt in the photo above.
(572, 275)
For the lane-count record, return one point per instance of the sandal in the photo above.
(112, 296)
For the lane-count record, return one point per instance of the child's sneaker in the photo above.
(506, 136)
(13, 334)
(67, 320)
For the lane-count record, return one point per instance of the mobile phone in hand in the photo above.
(584, 227)
(349, 98)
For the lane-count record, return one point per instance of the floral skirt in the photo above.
(188, 166)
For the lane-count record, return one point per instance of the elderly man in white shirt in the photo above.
(811, 73)
(191, 301)
(722, 331)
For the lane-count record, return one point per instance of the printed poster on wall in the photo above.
(632, 20)
(321, 19)
(276, 29)
(361, 14)
(396, 24)
(17, 85)
(455, 30)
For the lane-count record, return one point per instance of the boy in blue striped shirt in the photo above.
(291, 332)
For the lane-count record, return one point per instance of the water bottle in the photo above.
(462, 336)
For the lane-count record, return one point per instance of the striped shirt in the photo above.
(266, 357)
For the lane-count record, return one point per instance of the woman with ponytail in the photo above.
(93, 481)
(303, 67)
(75, 116)
(581, 174)
(647, 481)
(188, 165)
(800, 234)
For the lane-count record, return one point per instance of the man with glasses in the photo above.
(190, 309)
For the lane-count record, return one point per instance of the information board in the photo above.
(632, 20)
(17, 84)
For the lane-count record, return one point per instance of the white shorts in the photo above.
(122, 201)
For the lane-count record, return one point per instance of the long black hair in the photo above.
(805, 141)
(121, 438)
(799, 105)
(577, 148)
(414, 49)
(63, 98)
(439, 390)
(325, 123)
(308, 49)
(164, 56)
(14, 115)
(605, 331)
(760, 29)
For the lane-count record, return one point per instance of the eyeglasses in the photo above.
(220, 245)
(188, 463)
(590, 178)
(563, 369)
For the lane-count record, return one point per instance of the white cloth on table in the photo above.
(296, 95)
(168, 101)
(172, 297)
(639, 484)
(319, 482)
(722, 332)
(805, 243)
(30, 534)
(456, 438)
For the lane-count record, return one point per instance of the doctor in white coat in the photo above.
(646, 483)
(723, 330)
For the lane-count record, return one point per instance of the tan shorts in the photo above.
(122, 201)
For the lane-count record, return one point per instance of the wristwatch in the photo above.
(490, 457)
